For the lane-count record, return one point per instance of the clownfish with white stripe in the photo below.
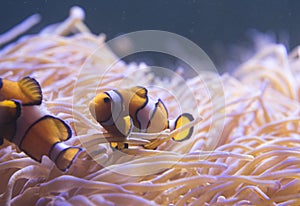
(24, 123)
(122, 111)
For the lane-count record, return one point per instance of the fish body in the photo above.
(23, 122)
(125, 110)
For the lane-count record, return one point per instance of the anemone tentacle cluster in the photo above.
(256, 161)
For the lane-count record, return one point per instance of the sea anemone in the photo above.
(256, 160)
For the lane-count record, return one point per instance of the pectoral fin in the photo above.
(124, 125)
(32, 90)
(62, 130)
(187, 133)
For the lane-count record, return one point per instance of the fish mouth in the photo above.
(92, 107)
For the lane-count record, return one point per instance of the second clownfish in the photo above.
(121, 111)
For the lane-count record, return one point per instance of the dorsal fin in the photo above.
(124, 125)
(32, 90)
(140, 91)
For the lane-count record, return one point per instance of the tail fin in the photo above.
(179, 122)
(32, 89)
(64, 155)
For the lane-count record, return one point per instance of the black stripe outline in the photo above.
(155, 109)
(142, 107)
(112, 101)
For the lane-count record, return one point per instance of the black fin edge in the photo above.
(137, 111)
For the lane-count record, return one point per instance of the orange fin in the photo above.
(54, 127)
(180, 121)
(64, 155)
(140, 91)
(124, 125)
(63, 129)
(32, 90)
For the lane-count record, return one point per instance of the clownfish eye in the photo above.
(106, 100)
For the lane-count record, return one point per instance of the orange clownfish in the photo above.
(121, 111)
(23, 122)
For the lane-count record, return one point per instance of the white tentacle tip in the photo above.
(77, 12)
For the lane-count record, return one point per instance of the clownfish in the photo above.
(24, 123)
(122, 111)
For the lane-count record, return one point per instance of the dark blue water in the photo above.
(214, 25)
